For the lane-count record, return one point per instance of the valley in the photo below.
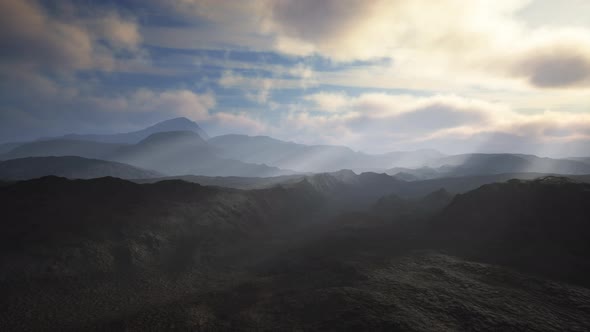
(174, 231)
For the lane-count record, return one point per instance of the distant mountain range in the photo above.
(185, 152)
(69, 167)
(169, 152)
(485, 164)
(313, 158)
(478, 164)
(180, 147)
(177, 124)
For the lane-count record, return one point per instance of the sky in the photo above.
(375, 75)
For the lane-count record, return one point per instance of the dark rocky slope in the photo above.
(541, 226)
(108, 254)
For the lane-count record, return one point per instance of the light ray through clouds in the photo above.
(378, 76)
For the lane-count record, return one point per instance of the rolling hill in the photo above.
(537, 225)
(69, 167)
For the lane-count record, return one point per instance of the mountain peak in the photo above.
(178, 124)
(176, 121)
(133, 137)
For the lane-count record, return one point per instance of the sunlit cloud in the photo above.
(406, 121)
(556, 59)
(376, 75)
(31, 36)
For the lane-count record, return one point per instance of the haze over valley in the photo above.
(282, 165)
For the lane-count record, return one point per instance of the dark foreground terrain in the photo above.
(329, 252)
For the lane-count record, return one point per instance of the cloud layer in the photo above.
(385, 121)
(376, 75)
(30, 35)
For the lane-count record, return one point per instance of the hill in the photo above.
(69, 167)
(538, 225)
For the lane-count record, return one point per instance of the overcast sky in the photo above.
(376, 75)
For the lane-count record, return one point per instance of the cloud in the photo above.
(557, 70)
(465, 73)
(438, 46)
(381, 122)
(31, 36)
(355, 29)
(222, 123)
(119, 32)
(376, 122)
(94, 112)
(329, 102)
(259, 88)
(27, 33)
(405, 117)
(560, 59)
(180, 102)
(263, 92)
(313, 21)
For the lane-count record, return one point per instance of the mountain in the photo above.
(539, 225)
(171, 153)
(481, 164)
(288, 155)
(312, 158)
(177, 124)
(407, 159)
(93, 146)
(69, 167)
(111, 255)
(63, 147)
(185, 152)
